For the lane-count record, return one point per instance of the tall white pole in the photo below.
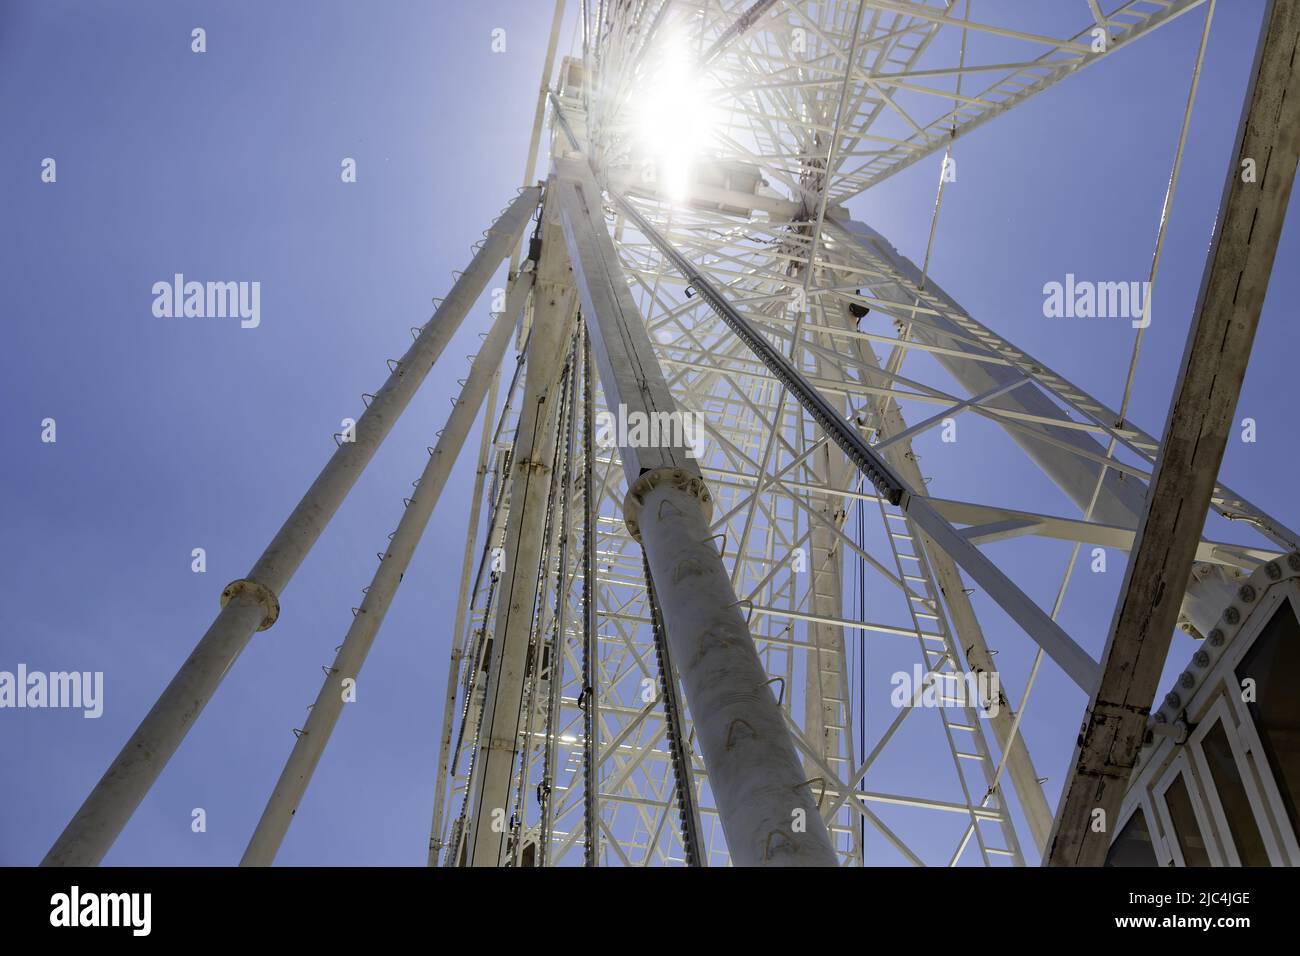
(253, 603)
(460, 644)
(494, 771)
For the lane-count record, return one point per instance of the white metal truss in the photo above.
(814, 102)
(733, 285)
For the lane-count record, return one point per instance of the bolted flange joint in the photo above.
(690, 483)
(264, 595)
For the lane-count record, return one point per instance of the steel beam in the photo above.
(738, 28)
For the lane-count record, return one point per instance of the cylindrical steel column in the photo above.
(254, 601)
(766, 802)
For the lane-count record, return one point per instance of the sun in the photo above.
(676, 118)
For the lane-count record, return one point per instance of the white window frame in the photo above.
(1261, 772)
(1155, 826)
(1180, 766)
(1220, 712)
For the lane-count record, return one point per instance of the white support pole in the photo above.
(490, 785)
(252, 603)
(539, 116)
(460, 648)
(768, 810)
(307, 750)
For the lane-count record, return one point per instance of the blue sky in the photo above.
(181, 434)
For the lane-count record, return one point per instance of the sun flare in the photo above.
(676, 119)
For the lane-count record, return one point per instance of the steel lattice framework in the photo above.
(587, 717)
(819, 101)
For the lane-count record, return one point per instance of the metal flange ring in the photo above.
(264, 595)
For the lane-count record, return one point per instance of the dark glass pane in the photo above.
(1133, 845)
(1274, 663)
(1186, 830)
(1232, 794)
